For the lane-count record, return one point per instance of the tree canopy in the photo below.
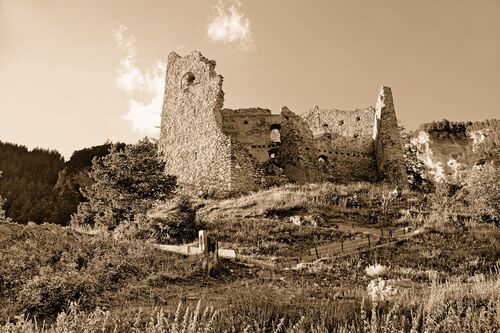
(126, 182)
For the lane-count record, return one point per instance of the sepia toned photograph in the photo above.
(254, 166)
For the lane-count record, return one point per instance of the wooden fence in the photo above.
(371, 240)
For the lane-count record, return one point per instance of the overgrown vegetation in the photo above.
(448, 307)
(288, 220)
(46, 267)
(125, 183)
(99, 273)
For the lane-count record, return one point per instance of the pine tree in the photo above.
(126, 182)
(3, 217)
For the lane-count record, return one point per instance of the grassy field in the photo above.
(446, 279)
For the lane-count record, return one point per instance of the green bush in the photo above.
(126, 182)
(173, 223)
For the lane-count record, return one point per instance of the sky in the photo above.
(77, 73)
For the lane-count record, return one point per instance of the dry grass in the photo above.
(449, 307)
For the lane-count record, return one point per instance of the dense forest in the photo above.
(29, 179)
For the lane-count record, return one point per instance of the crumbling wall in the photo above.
(224, 150)
(192, 142)
(253, 129)
(352, 123)
(388, 147)
(351, 161)
(249, 175)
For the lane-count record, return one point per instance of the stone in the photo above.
(219, 151)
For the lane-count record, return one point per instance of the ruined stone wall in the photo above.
(296, 150)
(350, 160)
(388, 147)
(192, 142)
(352, 123)
(224, 150)
(253, 129)
(249, 175)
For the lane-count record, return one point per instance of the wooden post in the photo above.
(369, 244)
(382, 232)
(209, 251)
(203, 241)
(390, 233)
(342, 246)
(316, 250)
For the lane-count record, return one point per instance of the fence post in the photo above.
(316, 250)
(382, 232)
(342, 246)
(390, 234)
(369, 244)
(209, 250)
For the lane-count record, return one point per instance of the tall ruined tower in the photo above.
(191, 141)
(388, 147)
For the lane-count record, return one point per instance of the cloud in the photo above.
(230, 25)
(144, 117)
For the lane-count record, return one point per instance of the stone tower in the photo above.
(388, 147)
(192, 142)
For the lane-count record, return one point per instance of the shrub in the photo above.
(172, 223)
(126, 182)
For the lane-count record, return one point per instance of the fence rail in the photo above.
(376, 238)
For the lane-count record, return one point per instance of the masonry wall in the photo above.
(252, 128)
(192, 142)
(223, 150)
(352, 123)
(388, 146)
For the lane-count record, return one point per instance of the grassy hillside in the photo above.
(442, 280)
(285, 220)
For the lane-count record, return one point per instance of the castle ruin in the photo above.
(223, 150)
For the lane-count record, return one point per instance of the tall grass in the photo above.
(449, 307)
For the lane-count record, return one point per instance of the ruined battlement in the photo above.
(224, 150)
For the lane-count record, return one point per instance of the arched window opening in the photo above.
(187, 80)
(272, 153)
(325, 128)
(323, 159)
(341, 122)
(358, 118)
(275, 133)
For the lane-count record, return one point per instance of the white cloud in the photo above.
(145, 117)
(230, 25)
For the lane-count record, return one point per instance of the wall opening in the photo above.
(187, 80)
(322, 159)
(275, 133)
(341, 122)
(325, 128)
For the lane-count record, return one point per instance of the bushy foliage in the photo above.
(446, 126)
(126, 182)
(45, 268)
(450, 307)
(483, 191)
(172, 223)
(82, 159)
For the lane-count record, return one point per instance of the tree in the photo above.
(126, 182)
(3, 217)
